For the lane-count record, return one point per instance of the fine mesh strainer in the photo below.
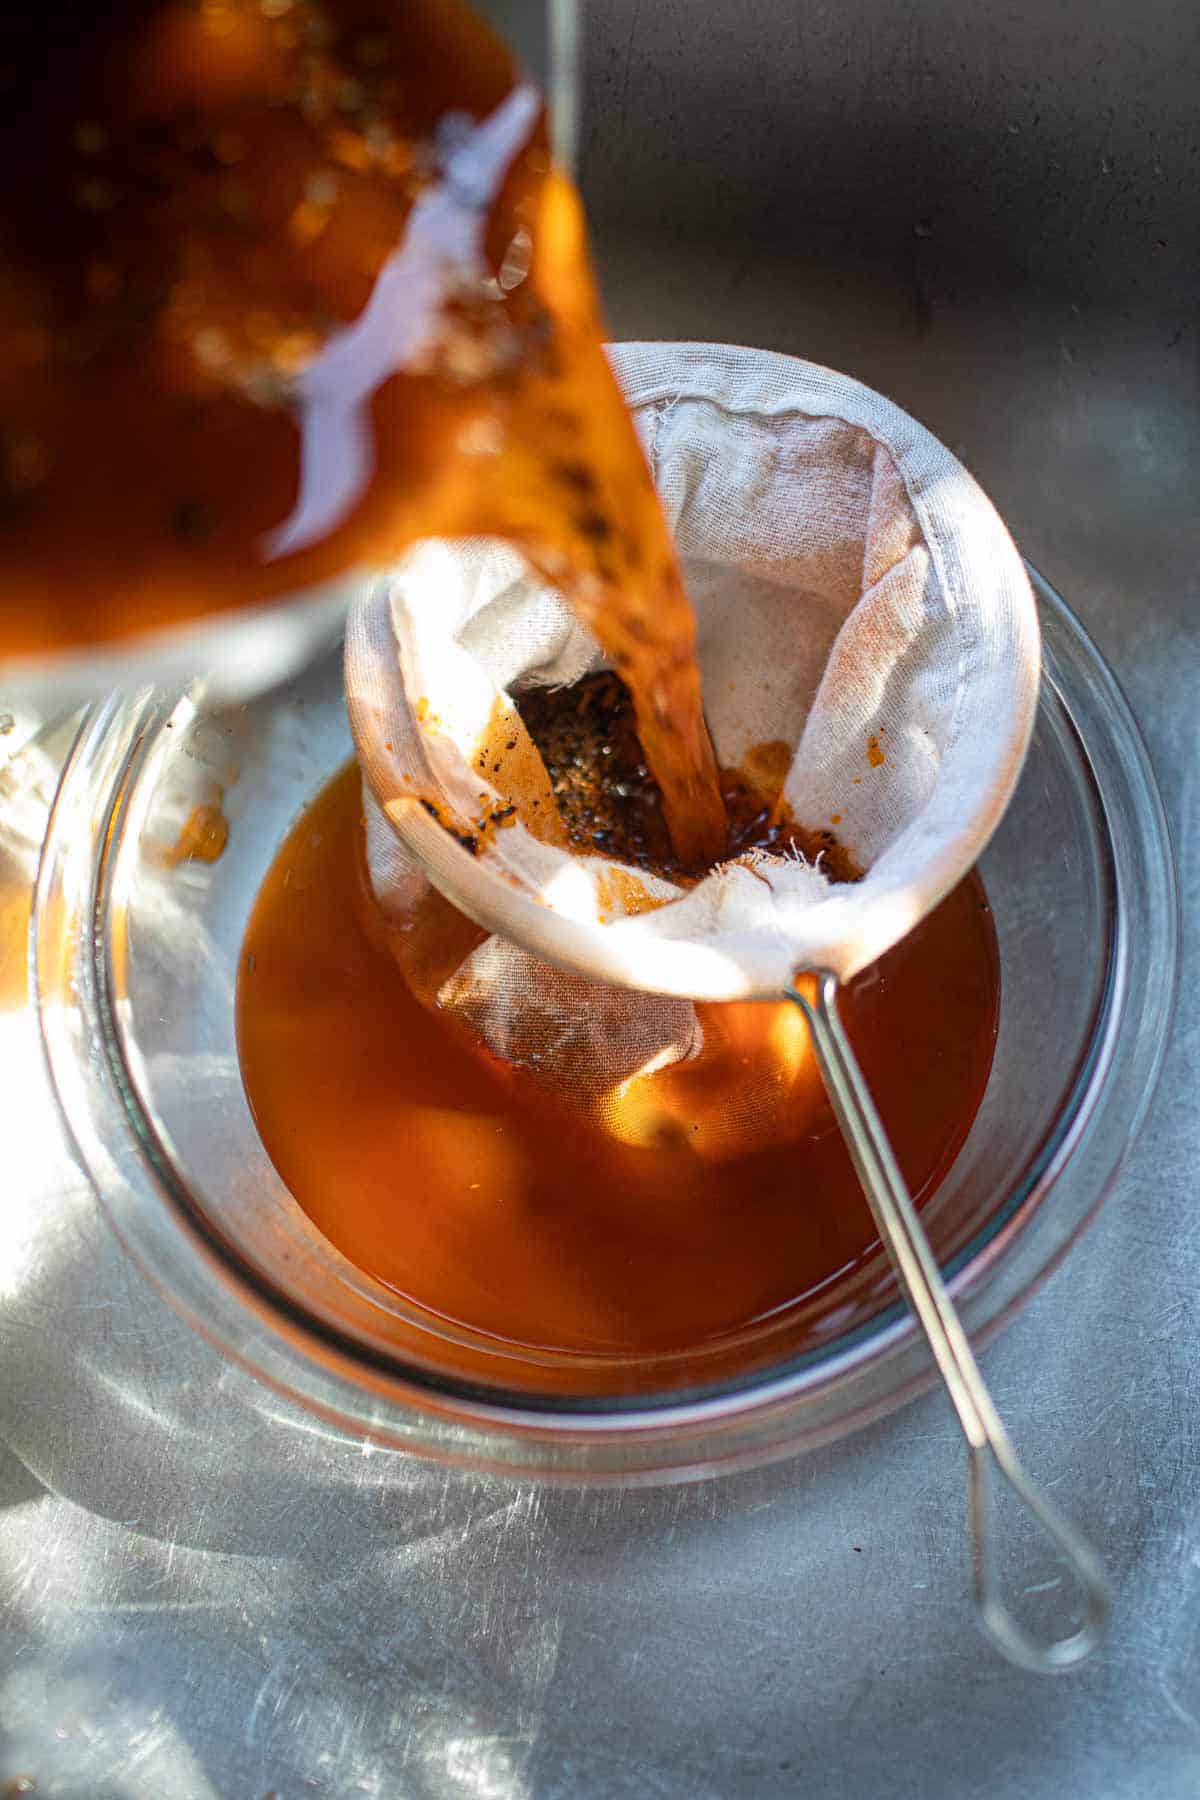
(859, 603)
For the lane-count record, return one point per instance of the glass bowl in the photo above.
(136, 957)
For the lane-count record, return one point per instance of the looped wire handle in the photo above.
(989, 1449)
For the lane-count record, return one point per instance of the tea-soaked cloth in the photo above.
(857, 599)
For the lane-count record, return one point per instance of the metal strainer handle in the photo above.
(987, 1441)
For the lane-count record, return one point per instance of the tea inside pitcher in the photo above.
(288, 284)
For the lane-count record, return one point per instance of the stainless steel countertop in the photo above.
(205, 1593)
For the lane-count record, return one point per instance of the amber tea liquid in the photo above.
(484, 1202)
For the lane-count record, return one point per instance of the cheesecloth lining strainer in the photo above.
(857, 601)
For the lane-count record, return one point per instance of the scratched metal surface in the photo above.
(204, 1594)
